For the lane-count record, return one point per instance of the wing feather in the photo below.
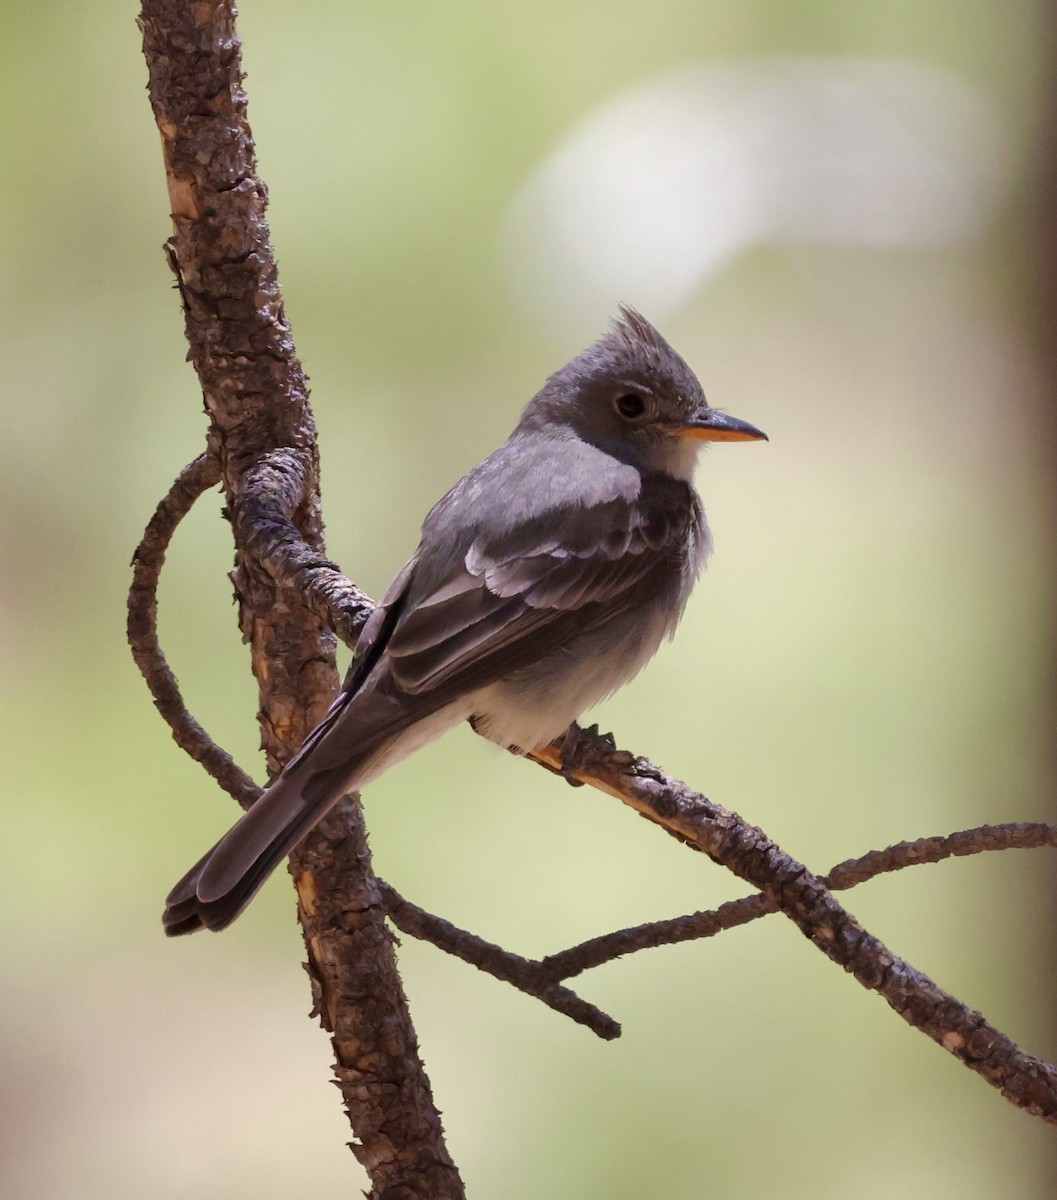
(517, 597)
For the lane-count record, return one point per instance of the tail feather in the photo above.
(220, 885)
(382, 729)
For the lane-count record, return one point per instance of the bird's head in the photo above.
(632, 395)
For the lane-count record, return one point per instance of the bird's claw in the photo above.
(566, 771)
(608, 738)
(572, 757)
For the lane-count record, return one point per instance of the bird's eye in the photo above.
(630, 407)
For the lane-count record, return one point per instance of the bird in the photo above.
(544, 580)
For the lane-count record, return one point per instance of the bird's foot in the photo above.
(571, 756)
(576, 749)
(592, 731)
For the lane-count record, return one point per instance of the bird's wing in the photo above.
(520, 596)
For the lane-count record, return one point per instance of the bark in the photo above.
(263, 437)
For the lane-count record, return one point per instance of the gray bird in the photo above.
(545, 579)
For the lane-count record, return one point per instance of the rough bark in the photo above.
(263, 436)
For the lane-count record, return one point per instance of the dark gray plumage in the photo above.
(546, 578)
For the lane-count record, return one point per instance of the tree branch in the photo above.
(846, 875)
(1028, 1082)
(524, 973)
(147, 562)
(262, 436)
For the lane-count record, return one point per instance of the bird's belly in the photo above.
(538, 703)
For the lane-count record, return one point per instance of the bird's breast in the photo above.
(536, 704)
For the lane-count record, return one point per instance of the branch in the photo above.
(524, 973)
(846, 875)
(262, 436)
(982, 840)
(267, 534)
(147, 562)
(1028, 1082)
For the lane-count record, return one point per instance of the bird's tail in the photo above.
(220, 885)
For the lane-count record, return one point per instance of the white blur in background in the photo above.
(654, 192)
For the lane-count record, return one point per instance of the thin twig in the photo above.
(595, 952)
(982, 840)
(147, 562)
(523, 973)
(846, 875)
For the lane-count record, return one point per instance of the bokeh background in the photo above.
(838, 212)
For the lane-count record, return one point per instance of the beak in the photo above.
(712, 426)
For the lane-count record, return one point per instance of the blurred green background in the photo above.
(867, 659)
